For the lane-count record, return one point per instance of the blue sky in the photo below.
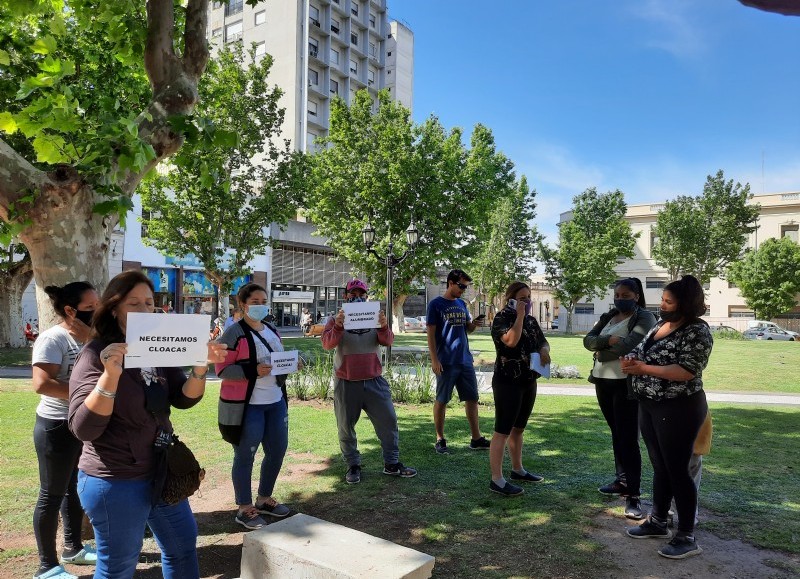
(645, 96)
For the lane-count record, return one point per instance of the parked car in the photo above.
(423, 320)
(554, 324)
(759, 324)
(768, 333)
(723, 328)
(413, 325)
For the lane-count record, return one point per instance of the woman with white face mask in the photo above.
(253, 407)
(615, 335)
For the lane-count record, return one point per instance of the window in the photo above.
(354, 8)
(372, 20)
(312, 108)
(313, 76)
(217, 32)
(313, 15)
(655, 282)
(313, 46)
(790, 231)
(334, 26)
(261, 49)
(373, 51)
(740, 312)
(261, 17)
(371, 77)
(653, 241)
(233, 31)
(334, 88)
(233, 7)
(353, 66)
(584, 308)
(354, 38)
(389, 53)
(334, 56)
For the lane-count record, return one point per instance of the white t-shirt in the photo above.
(266, 390)
(55, 346)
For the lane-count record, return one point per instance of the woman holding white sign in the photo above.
(122, 417)
(253, 407)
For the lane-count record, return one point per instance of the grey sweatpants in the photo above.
(375, 398)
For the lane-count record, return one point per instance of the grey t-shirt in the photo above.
(55, 346)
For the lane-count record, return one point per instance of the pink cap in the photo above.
(356, 284)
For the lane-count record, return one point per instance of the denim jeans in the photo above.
(119, 509)
(268, 425)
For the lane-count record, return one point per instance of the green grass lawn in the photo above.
(447, 510)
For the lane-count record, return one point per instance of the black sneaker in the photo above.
(479, 443)
(680, 547)
(527, 477)
(398, 469)
(650, 529)
(615, 488)
(508, 490)
(633, 508)
(441, 446)
(353, 475)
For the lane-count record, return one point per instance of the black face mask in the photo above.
(84, 316)
(669, 316)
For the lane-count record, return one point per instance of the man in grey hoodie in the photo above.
(361, 386)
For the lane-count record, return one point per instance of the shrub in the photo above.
(557, 371)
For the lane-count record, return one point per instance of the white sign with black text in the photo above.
(361, 315)
(283, 362)
(158, 340)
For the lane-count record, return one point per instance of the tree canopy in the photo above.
(231, 179)
(702, 235)
(769, 277)
(590, 243)
(376, 164)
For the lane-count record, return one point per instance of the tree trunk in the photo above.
(570, 308)
(398, 325)
(12, 286)
(68, 242)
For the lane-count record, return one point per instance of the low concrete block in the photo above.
(306, 547)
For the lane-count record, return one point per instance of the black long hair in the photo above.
(69, 295)
(690, 297)
(635, 285)
(104, 322)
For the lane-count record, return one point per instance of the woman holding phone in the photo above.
(517, 337)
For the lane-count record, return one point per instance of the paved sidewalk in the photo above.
(485, 381)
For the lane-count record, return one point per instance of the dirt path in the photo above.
(220, 545)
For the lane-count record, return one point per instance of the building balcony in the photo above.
(317, 90)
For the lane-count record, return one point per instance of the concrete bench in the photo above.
(306, 547)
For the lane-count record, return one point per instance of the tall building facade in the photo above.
(322, 49)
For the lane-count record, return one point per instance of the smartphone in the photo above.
(512, 303)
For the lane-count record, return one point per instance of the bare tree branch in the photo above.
(17, 177)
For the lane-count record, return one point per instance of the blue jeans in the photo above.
(268, 425)
(119, 510)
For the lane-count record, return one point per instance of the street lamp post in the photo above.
(391, 261)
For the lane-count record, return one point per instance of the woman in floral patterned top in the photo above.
(517, 336)
(666, 370)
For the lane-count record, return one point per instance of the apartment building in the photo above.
(779, 217)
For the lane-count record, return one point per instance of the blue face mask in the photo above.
(356, 300)
(257, 312)
(625, 306)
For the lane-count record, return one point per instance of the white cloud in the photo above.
(673, 31)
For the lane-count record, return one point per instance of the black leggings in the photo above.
(58, 452)
(669, 428)
(622, 416)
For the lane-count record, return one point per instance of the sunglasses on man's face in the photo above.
(462, 286)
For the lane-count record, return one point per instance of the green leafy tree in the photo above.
(702, 235)
(589, 246)
(231, 179)
(508, 253)
(15, 275)
(88, 96)
(769, 277)
(378, 165)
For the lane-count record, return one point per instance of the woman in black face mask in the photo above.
(57, 450)
(666, 370)
(613, 336)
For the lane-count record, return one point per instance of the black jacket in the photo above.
(638, 325)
